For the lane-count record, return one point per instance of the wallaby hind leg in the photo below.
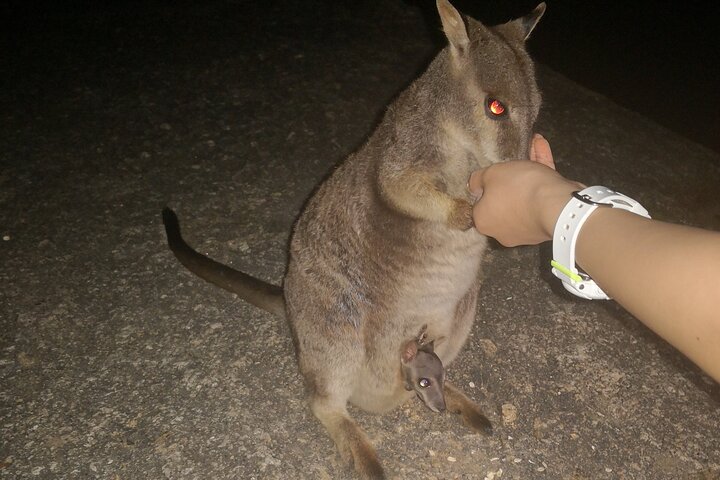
(458, 402)
(351, 441)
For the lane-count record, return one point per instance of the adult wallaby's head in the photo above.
(489, 99)
(424, 372)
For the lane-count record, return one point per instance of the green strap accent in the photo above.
(566, 271)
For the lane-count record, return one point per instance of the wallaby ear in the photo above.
(453, 26)
(409, 351)
(528, 22)
(520, 29)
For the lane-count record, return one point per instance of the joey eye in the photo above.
(494, 108)
(424, 382)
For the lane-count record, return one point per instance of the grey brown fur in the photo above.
(385, 245)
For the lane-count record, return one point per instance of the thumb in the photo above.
(476, 184)
(540, 151)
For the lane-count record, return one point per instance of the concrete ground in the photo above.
(116, 363)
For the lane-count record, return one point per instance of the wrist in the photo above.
(596, 220)
(584, 205)
(553, 201)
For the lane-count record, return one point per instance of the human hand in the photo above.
(520, 201)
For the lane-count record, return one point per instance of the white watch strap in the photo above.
(567, 229)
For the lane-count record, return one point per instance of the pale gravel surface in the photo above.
(117, 364)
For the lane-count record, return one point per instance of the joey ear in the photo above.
(430, 346)
(422, 336)
(453, 26)
(409, 351)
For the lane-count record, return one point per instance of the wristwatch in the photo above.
(582, 204)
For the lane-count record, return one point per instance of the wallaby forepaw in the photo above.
(461, 215)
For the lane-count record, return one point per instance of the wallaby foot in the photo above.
(458, 402)
(352, 443)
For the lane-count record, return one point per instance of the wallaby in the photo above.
(385, 245)
(423, 370)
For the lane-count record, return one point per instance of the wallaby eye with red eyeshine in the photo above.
(495, 108)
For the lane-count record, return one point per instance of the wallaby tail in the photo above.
(261, 294)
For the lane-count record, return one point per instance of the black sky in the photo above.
(661, 59)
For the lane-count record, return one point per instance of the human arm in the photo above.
(664, 274)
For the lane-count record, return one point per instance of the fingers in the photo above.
(540, 151)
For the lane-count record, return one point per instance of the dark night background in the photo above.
(657, 58)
